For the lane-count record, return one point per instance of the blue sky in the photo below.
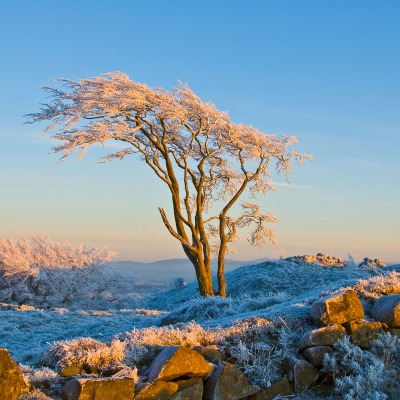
(325, 71)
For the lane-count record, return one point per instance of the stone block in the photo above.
(177, 361)
(326, 336)
(363, 333)
(227, 382)
(338, 308)
(98, 389)
(315, 355)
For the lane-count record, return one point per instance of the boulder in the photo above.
(277, 389)
(326, 336)
(190, 389)
(211, 353)
(178, 362)
(98, 389)
(12, 383)
(227, 382)
(300, 372)
(363, 332)
(159, 390)
(315, 355)
(338, 308)
(304, 375)
(387, 310)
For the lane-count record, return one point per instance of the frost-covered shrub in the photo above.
(364, 375)
(387, 348)
(178, 283)
(84, 351)
(25, 257)
(52, 274)
(377, 286)
(258, 360)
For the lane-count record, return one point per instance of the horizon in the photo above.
(281, 67)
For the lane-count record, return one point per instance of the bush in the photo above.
(259, 361)
(365, 375)
(45, 273)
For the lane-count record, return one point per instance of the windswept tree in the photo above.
(206, 161)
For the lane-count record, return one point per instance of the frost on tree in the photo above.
(195, 149)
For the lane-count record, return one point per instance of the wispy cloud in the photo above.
(373, 164)
(290, 185)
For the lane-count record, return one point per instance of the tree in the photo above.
(203, 158)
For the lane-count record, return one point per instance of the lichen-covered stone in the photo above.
(301, 373)
(159, 390)
(190, 389)
(338, 308)
(227, 382)
(98, 389)
(326, 336)
(277, 389)
(315, 355)
(305, 375)
(178, 361)
(387, 310)
(363, 332)
(12, 384)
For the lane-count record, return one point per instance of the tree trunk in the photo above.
(203, 276)
(221, 275)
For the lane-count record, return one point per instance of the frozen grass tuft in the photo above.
(84, 351)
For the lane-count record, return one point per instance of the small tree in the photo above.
(204, 159)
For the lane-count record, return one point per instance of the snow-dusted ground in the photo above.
(275, 290)
(26, 332)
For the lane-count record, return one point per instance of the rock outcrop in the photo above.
(12, 383)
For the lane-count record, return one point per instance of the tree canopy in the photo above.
(207, 161)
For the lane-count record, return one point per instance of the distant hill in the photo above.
(166, 270)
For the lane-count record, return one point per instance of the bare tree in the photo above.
(203, 157)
